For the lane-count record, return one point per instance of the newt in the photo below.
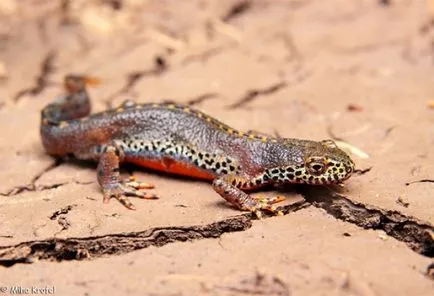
(177, 139)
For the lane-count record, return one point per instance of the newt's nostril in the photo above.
(317, 167)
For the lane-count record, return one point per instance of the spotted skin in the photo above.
(180, 140)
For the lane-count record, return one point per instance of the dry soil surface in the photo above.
(360, 72)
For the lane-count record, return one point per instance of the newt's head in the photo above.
(319, 163)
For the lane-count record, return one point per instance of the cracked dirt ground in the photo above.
(358, 71)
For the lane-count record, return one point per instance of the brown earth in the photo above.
(357, 71)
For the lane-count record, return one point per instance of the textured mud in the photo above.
(92, 247)
(360, 72)
(416, 234)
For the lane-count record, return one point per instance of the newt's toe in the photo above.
(132, 182)
(270, 200)
(146, 195)
(258, 214)
(120, 191)
(139, 185)
(126, 202)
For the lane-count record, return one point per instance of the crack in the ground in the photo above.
(418, 235)
(237, 10)
(430, 271)
(420, 181)
(32, 185)
(199, 99)
(402, 202)
(115, 244)
(62, 211)
(65, 13)
(194, 101)
(31, 188)
(41, 82)
(91, 247)
(362, 171)
(114, 4)
(384, 3)
(160, 66)
(294, 53)
(204, 56)
(255, 93)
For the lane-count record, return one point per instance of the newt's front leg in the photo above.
(112, 186)
(229, 187)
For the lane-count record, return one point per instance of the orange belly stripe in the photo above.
(172, 166)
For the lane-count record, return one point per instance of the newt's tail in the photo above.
(75, 104)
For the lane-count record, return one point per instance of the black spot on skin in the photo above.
(336, 177)
(203, 166)
(240, 184)
(258, 182)
(290, 170)
(266, 178)
(298, 173)
(281, 175)
(217, 165)
(206, 155)
(209, 162)
(234, 182)
(304, 177)
(310, 178)
(275, 178)
(200, 155)
(341, 170)
(224, 172)
(223, 164)
(231, 168)
(335, 169)
(229, 160)
(330, 178)
(331, 164)
(291, 176)
(323, 180)
(275, 171)
(147, 148)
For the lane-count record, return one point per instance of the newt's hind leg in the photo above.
(229, 187)
(112, 186)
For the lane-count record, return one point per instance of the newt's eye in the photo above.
(316, 166)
